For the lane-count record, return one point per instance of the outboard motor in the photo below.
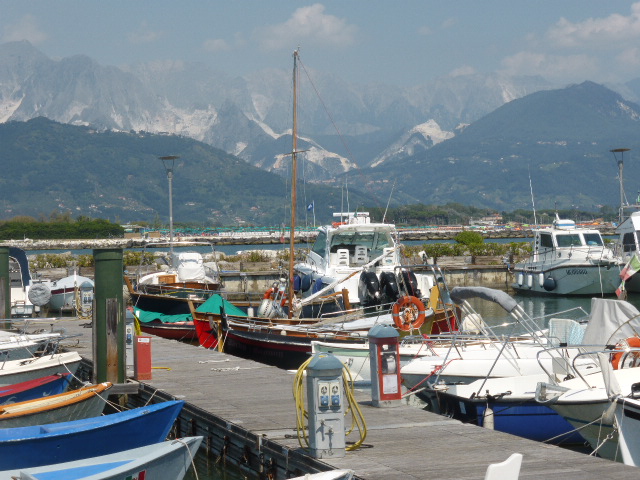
(409, 283)
(389, 287)
(369, 289)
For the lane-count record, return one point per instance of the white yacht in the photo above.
(568, 260)
(627, 245)
(362, 257)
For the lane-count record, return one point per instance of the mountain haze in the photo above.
(560, 138)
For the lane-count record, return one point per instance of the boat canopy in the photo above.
(214, 303)
(146, 317)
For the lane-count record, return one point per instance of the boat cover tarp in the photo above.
(213, 304)
(146, 317)
(190, 266)
(611, 321)
(497, 296)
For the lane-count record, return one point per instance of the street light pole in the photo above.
(169, 163)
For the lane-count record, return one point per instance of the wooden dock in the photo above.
(246, 410)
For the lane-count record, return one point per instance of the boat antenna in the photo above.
(533, 203)
(346, 186)
(388, 201)
(623, 198)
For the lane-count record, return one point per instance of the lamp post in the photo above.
(169, 162)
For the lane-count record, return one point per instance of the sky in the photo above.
(396, 42)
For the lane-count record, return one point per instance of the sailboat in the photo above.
(285, 324)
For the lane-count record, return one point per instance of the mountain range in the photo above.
(487, 140)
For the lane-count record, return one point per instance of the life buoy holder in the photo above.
(408, 313)
(619, 359)
(270, 295)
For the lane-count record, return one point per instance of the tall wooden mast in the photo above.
(294, 177)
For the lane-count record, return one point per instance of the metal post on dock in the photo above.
(109, 317)
(5, 284)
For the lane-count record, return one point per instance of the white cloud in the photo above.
(462, 71)
(308, 25)
(604, 32)
(424, 30)
(629, 57)
(216, 45)
(559, 68)
(27, 28)
(144, 35)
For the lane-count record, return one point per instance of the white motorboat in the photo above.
(363, 258)
(185, 277)
(585, 399)
(627, 247)
(568, 260)
(73, 293)
(628, 421)
(16, 371)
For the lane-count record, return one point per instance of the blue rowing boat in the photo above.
(40, 387)
(26, 447)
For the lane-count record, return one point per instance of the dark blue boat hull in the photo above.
(24, 447)
(527, 419)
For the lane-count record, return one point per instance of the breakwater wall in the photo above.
(259, 238)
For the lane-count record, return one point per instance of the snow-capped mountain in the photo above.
(420, 137)
(251, 116)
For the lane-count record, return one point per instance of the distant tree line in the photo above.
(58, 227)
(459, 214)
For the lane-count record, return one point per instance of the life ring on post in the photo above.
(408, 313)
(619, 359)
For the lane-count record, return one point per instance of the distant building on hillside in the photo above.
(494, 219)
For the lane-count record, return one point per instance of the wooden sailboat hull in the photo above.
(84, 402)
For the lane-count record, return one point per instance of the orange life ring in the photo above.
(271, 293)
(408, 313)
(622, 352)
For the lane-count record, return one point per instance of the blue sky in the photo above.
(395, 42)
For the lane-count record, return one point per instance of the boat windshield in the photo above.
(593, 239)
(375, 242)
(569, 240)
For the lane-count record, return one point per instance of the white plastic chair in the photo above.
(343, 256)
(361, 257)
(507, 470)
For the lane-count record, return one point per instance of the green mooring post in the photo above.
(5, 284)
(108, 329)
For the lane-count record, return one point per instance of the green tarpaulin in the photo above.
(146, 317)
(213, 303)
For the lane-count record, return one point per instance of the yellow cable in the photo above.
(357, 418)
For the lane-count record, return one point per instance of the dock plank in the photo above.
(402, 442)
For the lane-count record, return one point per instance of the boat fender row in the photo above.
(548, 283)
(302, 282)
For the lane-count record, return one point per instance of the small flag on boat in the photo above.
(311, 206)
(632, 266)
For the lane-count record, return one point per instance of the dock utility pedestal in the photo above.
(325, 398)
(384, 358)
